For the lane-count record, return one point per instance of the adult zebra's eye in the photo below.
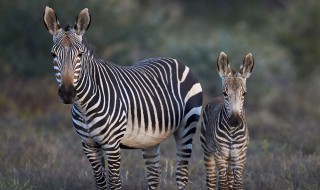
(80, 54)
(53, 55)
(225, 94)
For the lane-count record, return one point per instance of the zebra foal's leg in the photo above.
(96, 159)
(211, 171)
(230, 177)
(151, 158)
(237, 168)
(237, 162)
(113, 157)
(222, 165)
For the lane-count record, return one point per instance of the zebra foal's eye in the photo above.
(244, 93)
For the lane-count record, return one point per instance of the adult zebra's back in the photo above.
(129, 107)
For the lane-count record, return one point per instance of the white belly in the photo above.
(139, 138)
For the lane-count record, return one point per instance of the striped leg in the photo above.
(238, 179)
(151, 158)
(183, 137)
(238, 159)
(211, 177)
(96, 159)
(209, 162)
(237, 167)
(211, 171)
(113, 157)
(222, 165)
(230, 177)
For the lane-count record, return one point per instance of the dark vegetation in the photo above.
(39, 148)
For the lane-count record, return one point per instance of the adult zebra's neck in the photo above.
(93, 89)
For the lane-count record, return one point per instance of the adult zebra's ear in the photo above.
(247, 66)
(50, 21)
(82, 22)
(223, 65)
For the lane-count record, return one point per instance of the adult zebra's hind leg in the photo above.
(96, 159)
(151, 158)
(184, 136)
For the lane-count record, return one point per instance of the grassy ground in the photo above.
(39, 149)
(45, 153)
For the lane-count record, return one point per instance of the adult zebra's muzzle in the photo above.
(67, 94)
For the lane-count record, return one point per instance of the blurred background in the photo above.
(39, 148)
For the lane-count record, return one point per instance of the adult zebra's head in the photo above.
(67, 51)
(234, 86)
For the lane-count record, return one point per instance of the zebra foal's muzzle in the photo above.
(67, 94)
(235, 120)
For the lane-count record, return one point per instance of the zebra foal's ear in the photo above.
(223, 65)
(247, 66)
(50, 21)
(82, 22)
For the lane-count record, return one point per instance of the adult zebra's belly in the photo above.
(140, 138)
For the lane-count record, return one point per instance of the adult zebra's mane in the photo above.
(90, 47)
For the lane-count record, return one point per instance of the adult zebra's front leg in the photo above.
(95, 156)
(113, 157)
(151, 158)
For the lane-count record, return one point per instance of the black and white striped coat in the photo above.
(224, 131)
(124, 107)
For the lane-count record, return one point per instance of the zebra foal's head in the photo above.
(234, 86)
(67, 51)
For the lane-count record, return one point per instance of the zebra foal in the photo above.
(116, 107)
(224, 132)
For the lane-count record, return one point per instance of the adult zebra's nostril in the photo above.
(67, 94)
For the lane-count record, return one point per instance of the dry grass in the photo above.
(48, 155)
(40, 150)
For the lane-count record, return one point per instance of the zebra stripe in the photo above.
(124, 107)
(224, 147)
(224, 133)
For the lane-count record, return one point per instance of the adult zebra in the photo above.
(224, 132)
(124, 107)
